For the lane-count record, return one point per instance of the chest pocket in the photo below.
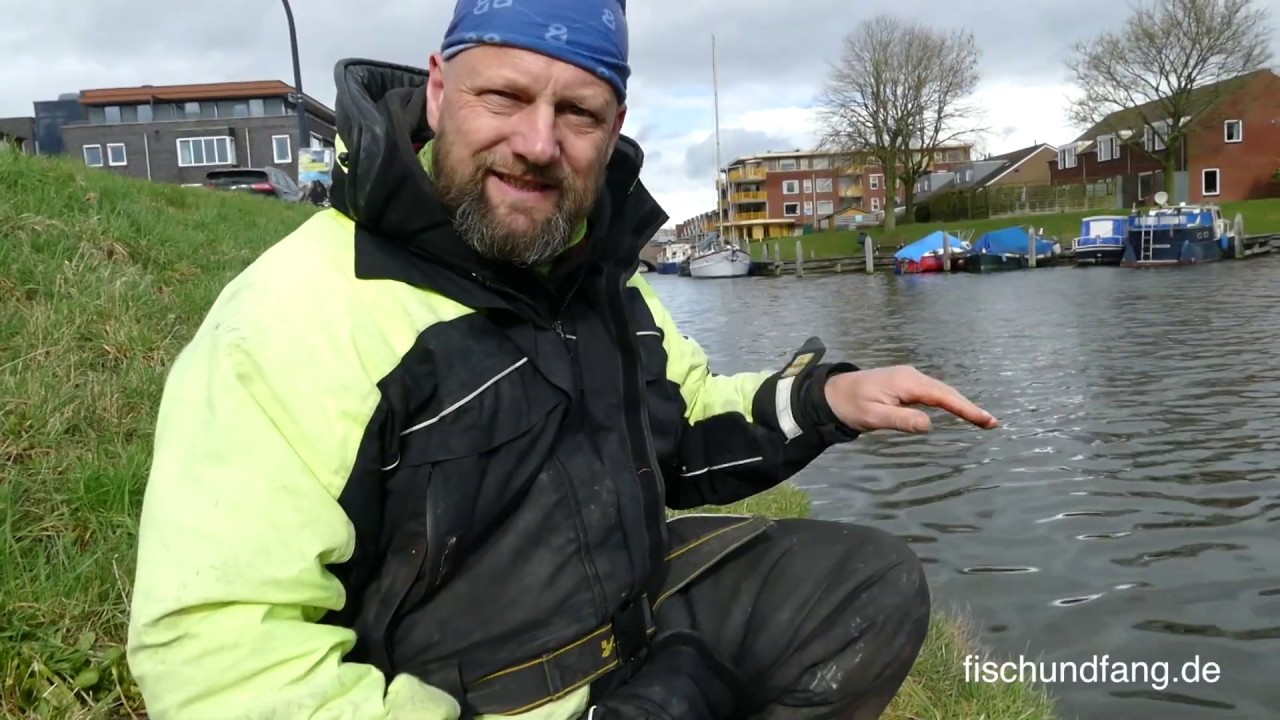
(465, 462)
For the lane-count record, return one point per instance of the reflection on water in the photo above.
(1128, 505)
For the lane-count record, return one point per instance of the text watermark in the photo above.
(1158, 674)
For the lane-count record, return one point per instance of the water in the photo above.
(1128, 505)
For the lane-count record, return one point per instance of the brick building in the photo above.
(777, 194)
(1231, 152)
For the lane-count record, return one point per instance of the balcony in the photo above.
(755, 172)
(750, 197)
(746, 217)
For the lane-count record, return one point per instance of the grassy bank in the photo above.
(102, 282)
(1260, 216)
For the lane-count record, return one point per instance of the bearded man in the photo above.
(416, 462)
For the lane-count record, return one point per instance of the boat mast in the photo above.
(715, 90)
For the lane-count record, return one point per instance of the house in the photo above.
(778, 194)
(1231, 152)
(19, 133)
(177, 133)
(1022, 168)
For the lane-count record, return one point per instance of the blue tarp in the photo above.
(1011, 241)
(928, 244)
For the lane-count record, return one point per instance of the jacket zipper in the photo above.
(597, 588)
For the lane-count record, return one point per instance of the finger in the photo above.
(891, 417)
(924, 390)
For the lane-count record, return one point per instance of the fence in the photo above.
(1009, 200)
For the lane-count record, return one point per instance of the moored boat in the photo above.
(925, 255)
(722, 263)
(1182, 234)
(1101, 240)
(1009, 249)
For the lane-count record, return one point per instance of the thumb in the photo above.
(903, 419)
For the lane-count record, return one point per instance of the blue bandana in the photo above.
(591, 34)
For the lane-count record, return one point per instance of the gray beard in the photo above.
(483, 231)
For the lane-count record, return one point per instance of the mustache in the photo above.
(549, 174)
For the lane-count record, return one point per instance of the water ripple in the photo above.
(1128, 503)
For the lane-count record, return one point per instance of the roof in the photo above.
(771, 154)
(191, 92)
(1131, 118)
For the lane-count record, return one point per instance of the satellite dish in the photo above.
(1162, 197)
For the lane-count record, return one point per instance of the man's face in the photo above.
(522, 142)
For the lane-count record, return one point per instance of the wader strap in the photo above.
(532, 684)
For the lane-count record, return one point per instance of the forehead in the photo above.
(531, 71)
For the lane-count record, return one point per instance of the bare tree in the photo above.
(1168, 65)
(896, 94)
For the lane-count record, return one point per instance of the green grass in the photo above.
(102, 281)
(1260, 216)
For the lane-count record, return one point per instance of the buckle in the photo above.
(631, 627)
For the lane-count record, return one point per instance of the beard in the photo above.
(525, 240)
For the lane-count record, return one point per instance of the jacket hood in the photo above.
(379, 181)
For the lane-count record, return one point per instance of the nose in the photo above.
(534, 136)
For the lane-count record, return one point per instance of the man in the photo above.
(415, 462)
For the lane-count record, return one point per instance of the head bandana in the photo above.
(591, 34)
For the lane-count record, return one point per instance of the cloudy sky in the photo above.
(773, 57)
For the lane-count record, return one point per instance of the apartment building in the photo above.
(778, 194)
(1232, 151)
(177, 133)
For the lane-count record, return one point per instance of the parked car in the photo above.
(262, 181)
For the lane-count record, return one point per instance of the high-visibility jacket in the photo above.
(391, 480)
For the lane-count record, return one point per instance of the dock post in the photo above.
(946, 253)
(1238, 228)
(1031, 247)
(799, 257)
(869, 250)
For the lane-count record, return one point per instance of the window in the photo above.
(875, 204)
(194, 152)
(93, 155)
(1233, 131)
(875, 182)
(1153, 136)
(1210, 181)
(791, 209)
(790, 187)
(1108, 148)
(116, 155)
(281, 149)
(821, 163)
(847, 183)
(1066, 158)
(825, 207)
(808, 186)
(808, 207)
(787, 164)
(318, 142)
(824, 185)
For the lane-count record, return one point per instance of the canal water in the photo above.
(1128, 505)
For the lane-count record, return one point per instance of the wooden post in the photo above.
(946, 253)
(838, 266)
(869, 250)
(1031, 247)
(799, 257)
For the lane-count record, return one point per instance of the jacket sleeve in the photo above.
(745, 432)
(239, 518)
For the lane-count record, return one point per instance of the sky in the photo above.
(772, 60)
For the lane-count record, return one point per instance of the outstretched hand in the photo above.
(875, 399)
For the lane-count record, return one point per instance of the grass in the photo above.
(1260, 216)
(103, 281)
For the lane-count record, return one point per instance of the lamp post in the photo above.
(300, 106)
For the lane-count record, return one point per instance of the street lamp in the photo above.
(297, 77)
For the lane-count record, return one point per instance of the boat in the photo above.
(1101, 240)
(925, 254)
(669, 258)
(1007, 249)
(1182, 234)
(719, 259)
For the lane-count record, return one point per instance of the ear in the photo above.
(435, 90)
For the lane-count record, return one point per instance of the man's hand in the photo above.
(868, 400)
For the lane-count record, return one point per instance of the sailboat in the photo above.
(718, 258)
